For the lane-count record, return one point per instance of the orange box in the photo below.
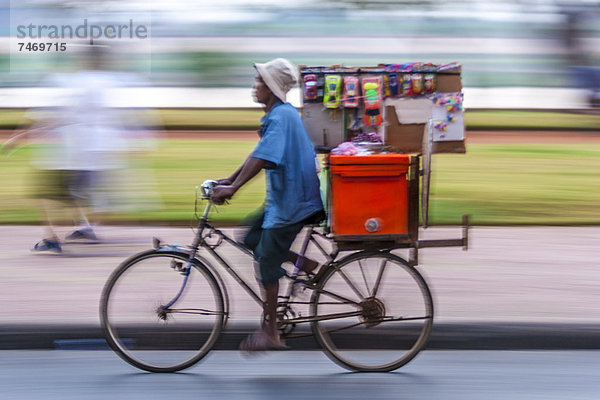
(369, 194)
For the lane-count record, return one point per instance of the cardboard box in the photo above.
(449, 147)
(448, 82)
(407, 138)
(413, 138)
(325, 126)
(410, 110)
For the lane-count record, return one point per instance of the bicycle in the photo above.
(163, 310)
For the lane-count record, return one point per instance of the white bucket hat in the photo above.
(279, 75)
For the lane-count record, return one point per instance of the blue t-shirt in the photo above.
(292, 185)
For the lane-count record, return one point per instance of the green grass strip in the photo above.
(543, 184)
(518, 184)
(250, 119)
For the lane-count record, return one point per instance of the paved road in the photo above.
(543, 274)
(516, 288)
(463, 375)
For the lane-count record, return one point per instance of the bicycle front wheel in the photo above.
(373, 312)
(157, 319)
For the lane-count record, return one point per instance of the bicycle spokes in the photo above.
(384, 321)
(160, 314)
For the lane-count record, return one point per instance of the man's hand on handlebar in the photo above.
(222, 193)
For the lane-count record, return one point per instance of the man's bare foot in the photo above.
(260, 341)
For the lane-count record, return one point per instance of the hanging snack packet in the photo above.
(429, 83)
(406, 85)
(310, 87)
(371, 89)
(393, 77)
(351, 92)
(320, 87)
(417, 84)
(386, 85)
(332, 94)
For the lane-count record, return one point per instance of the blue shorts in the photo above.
(271, 247)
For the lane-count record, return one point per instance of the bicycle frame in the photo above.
(200, 242)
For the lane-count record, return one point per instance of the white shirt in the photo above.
(84, 132)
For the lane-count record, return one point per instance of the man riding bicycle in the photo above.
(293, 198)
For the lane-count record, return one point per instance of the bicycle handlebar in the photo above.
(207, 188)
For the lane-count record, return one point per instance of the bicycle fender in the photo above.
(199, 260)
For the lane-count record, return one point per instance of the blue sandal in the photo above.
(47, 245)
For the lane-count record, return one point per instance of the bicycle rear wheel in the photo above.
(140, 326)
(374, 312)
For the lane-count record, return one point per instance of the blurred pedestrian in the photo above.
(84, 146)
(58, 184)
(293, 199)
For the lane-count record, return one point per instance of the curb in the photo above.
(445, 336)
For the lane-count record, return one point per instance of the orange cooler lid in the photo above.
(373, 159)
